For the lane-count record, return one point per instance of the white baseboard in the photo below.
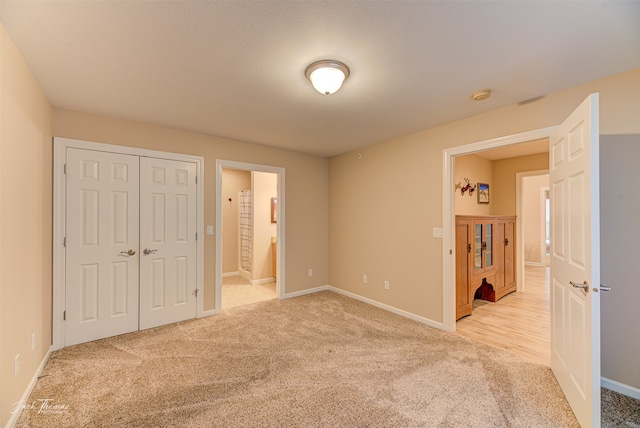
(226, 274)
(208, 313)
(389, 308)
(307, 291)
(261, 281)
(25, 395)
(621, 388)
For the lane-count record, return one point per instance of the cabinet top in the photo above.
(485, 217)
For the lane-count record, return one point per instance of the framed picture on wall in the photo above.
(274, 210)
(483, 193)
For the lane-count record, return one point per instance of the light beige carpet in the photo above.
(321, 360)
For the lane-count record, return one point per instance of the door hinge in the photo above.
(196, 236)
(64, 242)
(64, 316)
(65, 169)
(196, 179)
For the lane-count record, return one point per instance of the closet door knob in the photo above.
(128, 253)
(147, 251)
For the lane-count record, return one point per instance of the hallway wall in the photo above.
(233, 181)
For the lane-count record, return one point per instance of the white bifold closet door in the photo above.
(102, 241)
(168, 241)
(130, 244)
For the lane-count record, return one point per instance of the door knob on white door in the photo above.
(604, 287)
(584, 285)
(148, 251)
(128, 253)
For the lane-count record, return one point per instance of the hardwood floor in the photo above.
(519, 322)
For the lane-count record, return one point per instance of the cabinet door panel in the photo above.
(499, 256)
(477, 246)
(510, 254)
(488, 244)
(464, 297)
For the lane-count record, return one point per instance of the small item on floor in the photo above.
(485, 291)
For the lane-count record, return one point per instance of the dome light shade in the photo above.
(327, 75)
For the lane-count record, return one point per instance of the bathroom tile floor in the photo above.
(237, 291)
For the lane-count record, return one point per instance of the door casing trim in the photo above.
(60, 146)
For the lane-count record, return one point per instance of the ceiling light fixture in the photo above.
(481, 95)
(327, 75)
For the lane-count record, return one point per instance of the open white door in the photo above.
(575, 260)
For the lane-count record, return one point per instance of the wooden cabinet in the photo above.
(485, 253)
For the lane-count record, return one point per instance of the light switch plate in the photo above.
(437, 232)
(209, 230)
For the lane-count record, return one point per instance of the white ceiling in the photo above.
(235, 69)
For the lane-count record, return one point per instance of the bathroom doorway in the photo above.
(249, 224)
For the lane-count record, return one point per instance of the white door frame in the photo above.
(60, 146)
(520, 223)
(543, 225)
(448, 214)
(280, 265)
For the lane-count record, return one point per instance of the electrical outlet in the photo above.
(33, 341)
(16, 365)
(364, 279)
(310, 272)
(386, 285)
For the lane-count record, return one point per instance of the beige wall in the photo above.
(533, 218)
(25, 224)
(382, 207)
(265, 187)
(504, 176)
(233, 181)
(305, 188)
(478, 170)
(620, 253)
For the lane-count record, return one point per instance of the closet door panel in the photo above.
(168, 241)
(101, 290)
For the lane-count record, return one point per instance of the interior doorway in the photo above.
(249, 233)
(535, 216)
(448, 212)
(518, 322)
(249, 237)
